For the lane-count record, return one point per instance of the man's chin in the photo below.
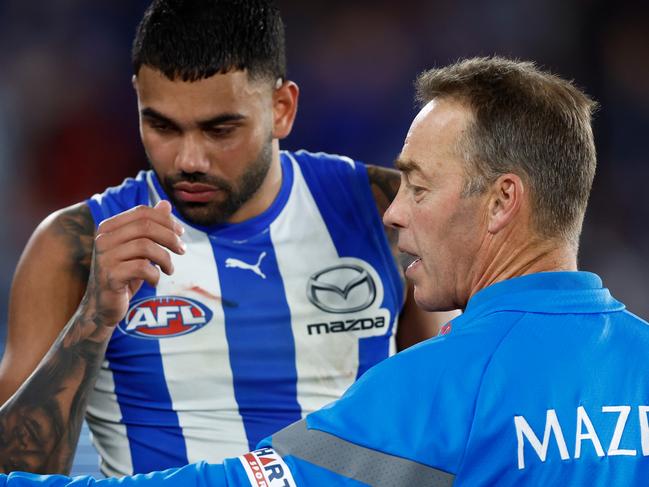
(202, 214)
(428, 301)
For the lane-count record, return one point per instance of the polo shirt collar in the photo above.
(545, 292)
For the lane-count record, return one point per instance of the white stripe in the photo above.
(326, 364)
(303, 246)
(197, 366)
(108, 433)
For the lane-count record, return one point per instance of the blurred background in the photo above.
(68, 118)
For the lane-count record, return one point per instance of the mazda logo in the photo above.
(343, 288)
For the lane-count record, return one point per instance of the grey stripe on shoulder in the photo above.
(356, 462)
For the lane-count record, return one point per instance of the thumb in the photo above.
(164, 206)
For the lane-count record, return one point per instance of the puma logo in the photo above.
(232, 262)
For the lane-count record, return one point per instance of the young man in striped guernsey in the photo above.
(280, 289)
(543, 379)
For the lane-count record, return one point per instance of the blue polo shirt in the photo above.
(542, 381)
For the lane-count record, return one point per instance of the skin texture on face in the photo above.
(212, 143)
(436, 224)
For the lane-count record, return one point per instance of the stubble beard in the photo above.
(232, 197)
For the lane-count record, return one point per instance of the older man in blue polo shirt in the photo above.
(543, 379)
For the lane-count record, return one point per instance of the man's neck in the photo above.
(516, 259)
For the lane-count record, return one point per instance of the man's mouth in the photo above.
(415, 262)
(414, 259)
(195, 192)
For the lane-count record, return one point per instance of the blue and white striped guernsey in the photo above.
(261, 323)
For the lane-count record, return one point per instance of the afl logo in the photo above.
(345, 288)
(165, 317)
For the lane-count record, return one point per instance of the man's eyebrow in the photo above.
(151, 113)
(407, 166)
(210, 122)
(221, 119)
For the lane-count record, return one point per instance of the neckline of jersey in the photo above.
(248, 228)
(545, 292)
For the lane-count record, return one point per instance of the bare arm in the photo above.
(49, 283)
(39, 425)
(415, 324)
(47, 288)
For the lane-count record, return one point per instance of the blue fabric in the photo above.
(152, 426)
(549, 341)
(265, 379)
(257, 319)
(453, 402)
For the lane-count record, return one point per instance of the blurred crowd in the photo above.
(68, 119)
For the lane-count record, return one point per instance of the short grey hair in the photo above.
(528, 122)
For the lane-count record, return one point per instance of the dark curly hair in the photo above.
(195, 39)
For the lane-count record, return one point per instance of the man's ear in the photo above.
(285, 99)
(507, 196)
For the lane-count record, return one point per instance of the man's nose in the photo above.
(395, 215)
(192, 156)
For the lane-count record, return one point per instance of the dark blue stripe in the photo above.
(345, 201)
(260, 338)
(371, 351)
(154, 433)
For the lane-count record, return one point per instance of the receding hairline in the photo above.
(457, 81)
(528, 121)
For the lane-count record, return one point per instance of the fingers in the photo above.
(160, 214)
(144, 228)
(140, 248)
(127, 272)
(127, 245)
(131, 248)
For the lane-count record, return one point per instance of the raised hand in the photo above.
(130, 248)
(40, 423)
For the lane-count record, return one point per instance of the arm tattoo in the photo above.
(40, 423)
(77, 226)
(385, 185)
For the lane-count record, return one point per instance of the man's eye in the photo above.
(162, 128)
(416, 190)
(219, 131)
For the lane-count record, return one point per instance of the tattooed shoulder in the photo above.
(385, 184)
(77, 227)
